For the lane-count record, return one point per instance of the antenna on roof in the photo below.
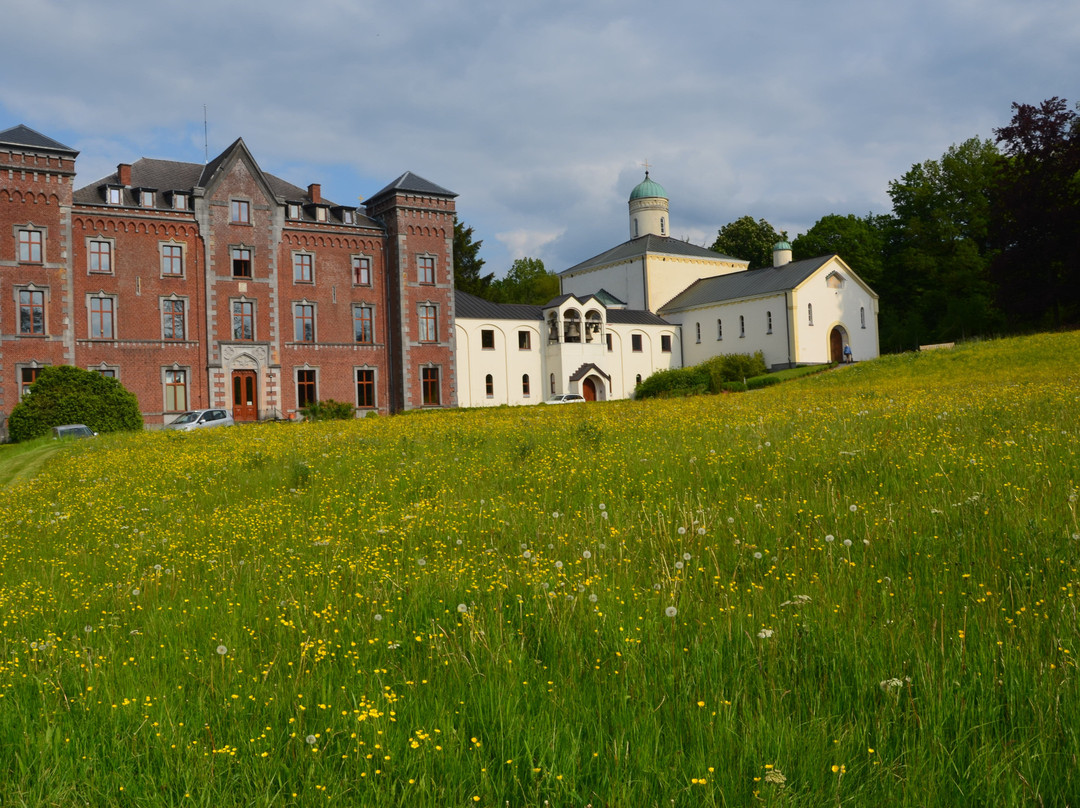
(206, 138)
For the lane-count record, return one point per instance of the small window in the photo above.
(27, 376)
(426, 269)
(30, 246)
(524, 341)
(240, 211)
(665, 343)
(525, 385)
(364, 324)
(348, 217)
(365, 387)
(99, 256)
(176, 397)
(552, 384)
(361, 268)
(697, 331)
(304, 322)
(172, 319)
(108, 373)
(719, 329)
(862, 316)
(303, 268)
(742, 326)
(179, 201)
(320, 214)
(243, 320)
(429, 383)
(663, 229)
(810, 313)
(102, 318)
(115, 196)
(172, 260)
(241, 262)
(638, 379)
(487, 339)
(31, 311)
(489, 386)
(635, 343)
(146, 199)
(768, 322)
(429, 324)
(610, 342)
(306, 390)
(294, 211)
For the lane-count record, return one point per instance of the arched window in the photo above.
(697, 328)
(768, 318)
(638, 379)
(810, 313)
(571, 326)
(489, 386)
(525, 384)
(719, 328)
(742, 326)
(862, 315)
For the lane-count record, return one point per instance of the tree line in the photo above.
(984, 240)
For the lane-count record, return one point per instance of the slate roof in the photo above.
(163, 176)
(471, 307)
(25, 136)
(748, 283)
(410, 183)
(659, 245)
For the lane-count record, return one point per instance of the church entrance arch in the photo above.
(588, 389)
(837, 340)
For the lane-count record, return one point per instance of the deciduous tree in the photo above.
(63, 394)
(749, 240)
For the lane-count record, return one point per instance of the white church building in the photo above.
(654, 303)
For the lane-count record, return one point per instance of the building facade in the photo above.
(220, 285)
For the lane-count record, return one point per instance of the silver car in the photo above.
(72, 431)
(566, 398)
(201, 419)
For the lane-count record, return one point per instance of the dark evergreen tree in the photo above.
(468, 263)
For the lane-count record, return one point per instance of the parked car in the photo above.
(566, 398)
(201, 419)
(72, 431)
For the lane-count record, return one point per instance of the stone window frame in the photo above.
(114, 315)
(174, 298)
(46, 296)
(96, 240)
(165, 260)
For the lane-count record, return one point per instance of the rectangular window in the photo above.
(108, 373)
(27, 376)
(697, 332)
(304, 319)
(176, 398)
(364, 324)
(365, 388)
(348, 217)
(524, 341)
(719, 329)
(303, 268)
(429, 324)
(172, 260)
(635, 343)
(609, 342)
(243, 320)
(240, 210)
(100, 256)
(742, 326)
(320, 214)
(115, 196)
(665, 343)
(102, 318)
(179, 201)
(146, 199)
(30, 246)
(306, 392)
(294, 211)
(426, 265)
(361, 269)
(487, 339)
(172, 319)
(241, 262)
(31, 311)
(429, 380)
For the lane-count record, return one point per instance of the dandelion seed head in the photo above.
(682, 531)
(461, 607)
(603, 507)
(686, 556)
(830, 537)
(592, 598)
(222, 650)
(377, 618)
(310, 739)
(678, 565)
(853, 508)
(586, 554)
(731, 520)
(847, 542)
(671, 611)
(757, 555)
(765, 633)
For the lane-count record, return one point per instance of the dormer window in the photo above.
(146, 199)
(320, 214)
(114, 195)
(294, 211)
(179, 201)
(348, 216)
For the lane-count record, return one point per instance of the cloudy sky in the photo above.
(541, 114)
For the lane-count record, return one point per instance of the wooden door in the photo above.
(836, 346)
(245, 396)
(588, 390)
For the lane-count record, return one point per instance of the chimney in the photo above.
(315, 193)
(123, 174)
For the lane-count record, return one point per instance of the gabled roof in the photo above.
(409, 183)
(658, 245)
(749, 283)
(608, 299)
(25, 136)
(471, 307)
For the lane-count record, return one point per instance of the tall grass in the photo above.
(857, 588)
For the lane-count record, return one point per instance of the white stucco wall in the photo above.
(506, 363)
(754, 337)
(852, 307)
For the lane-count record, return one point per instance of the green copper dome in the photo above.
(647, 189)
(781, 245)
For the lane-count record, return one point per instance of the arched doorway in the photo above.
(836, 345)
(588, 389)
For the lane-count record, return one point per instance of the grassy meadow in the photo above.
(856, 588)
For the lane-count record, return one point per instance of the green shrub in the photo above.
(63, 394)
(733, 368)
(732, 387)
(674, 383)
(757, 382)
(328, 410)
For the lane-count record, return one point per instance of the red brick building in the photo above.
(221, 285)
